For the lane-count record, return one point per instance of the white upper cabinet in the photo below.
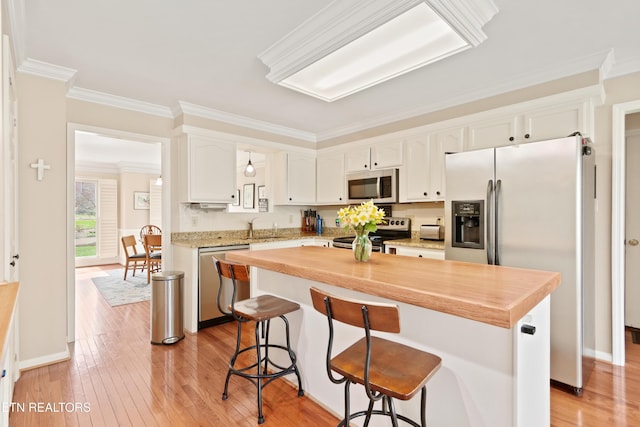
(443, 142)
(541, 123)
(549, 123)
(330, 178)
(381, 155)
(415, 177)
(492, 133)
(206, 169)
(422, 178)
(295, 178)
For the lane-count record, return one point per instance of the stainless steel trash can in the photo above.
(166, 307)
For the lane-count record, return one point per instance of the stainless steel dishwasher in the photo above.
(209, 283)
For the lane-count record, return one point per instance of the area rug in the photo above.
(119, 292)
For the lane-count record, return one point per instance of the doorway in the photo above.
(618, 228)
(75, 136)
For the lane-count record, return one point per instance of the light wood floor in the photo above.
(125, 381)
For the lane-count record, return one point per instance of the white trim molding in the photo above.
(618, 195)
(119, 102)
(235, 119)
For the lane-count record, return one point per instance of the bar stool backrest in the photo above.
(382, 317)
(235, 272)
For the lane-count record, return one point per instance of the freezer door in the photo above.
(467, 176)
(539, 225)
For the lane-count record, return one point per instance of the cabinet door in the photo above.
(301, 178)
(416, 170)
(357, 159)
(211, 169)
(420, 252)
(492, 133)
(386, 155)
(441, 143)
(330, 180)
(555, 123)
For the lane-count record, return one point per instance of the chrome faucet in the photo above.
(251, 227)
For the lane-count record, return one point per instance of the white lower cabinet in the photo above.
(8, 367)
(415, 252)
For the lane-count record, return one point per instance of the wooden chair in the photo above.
(149, 229)
(153, 251)
(134, 259)
(260, 310)
(387, 370)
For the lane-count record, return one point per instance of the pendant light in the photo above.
(249, 170)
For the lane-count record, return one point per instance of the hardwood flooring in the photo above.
(115, 377)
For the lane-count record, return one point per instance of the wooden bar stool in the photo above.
(260, 310)
(386, 369)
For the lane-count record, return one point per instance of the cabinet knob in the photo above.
(526, 135)
(511, 138)
(233, 196)
(290, 199)
(366, 166)
(437, 193)
(424, 194)
(375, 164)
(420, 256)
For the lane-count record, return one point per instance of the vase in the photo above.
(362, 246)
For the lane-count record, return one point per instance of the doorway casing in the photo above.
(618, 194)
(72, 128)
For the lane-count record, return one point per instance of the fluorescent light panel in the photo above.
(412, 40)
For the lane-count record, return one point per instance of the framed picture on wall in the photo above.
(262, 194)
(140, 200)
(236, 201)
(247, 198)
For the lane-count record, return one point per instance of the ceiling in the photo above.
(205, 53)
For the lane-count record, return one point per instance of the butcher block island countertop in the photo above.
(499, 296)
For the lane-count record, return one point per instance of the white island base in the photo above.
(490, 376)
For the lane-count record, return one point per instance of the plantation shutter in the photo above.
(155, 203)
(107, 218)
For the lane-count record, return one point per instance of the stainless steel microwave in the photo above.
(381, 186)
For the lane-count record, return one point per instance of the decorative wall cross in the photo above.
(41, 168)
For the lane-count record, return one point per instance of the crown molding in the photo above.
(119, 102)
(531, 78)
(235, 119)
(342, 22)
(49, 71)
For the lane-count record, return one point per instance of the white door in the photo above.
(632, 273)
(10, 254)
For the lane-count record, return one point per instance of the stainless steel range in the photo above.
(394, 228)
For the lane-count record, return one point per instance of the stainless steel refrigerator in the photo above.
(532, 206)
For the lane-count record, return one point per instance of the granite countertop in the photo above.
(416, 242)
(239, 237)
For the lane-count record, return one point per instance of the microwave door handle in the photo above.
(379, 187)
(489, 222)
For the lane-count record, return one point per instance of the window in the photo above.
(85, 218)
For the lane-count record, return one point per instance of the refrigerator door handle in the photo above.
(489, 222)
(496, 234)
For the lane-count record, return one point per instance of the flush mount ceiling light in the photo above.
(249, 170)
(350, 46)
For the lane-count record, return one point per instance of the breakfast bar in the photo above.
(489, 324)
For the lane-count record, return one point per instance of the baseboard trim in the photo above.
(49, 359)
